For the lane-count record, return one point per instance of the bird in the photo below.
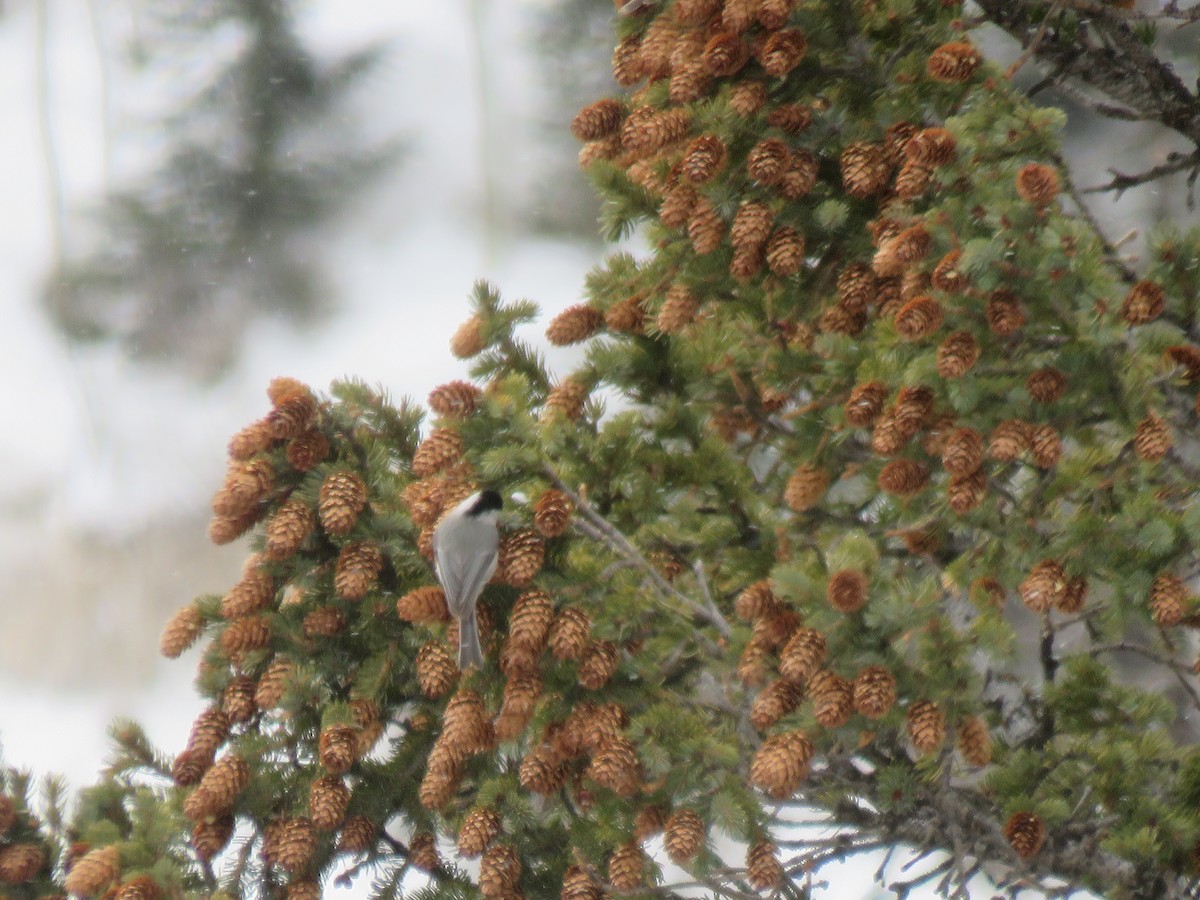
(466, 548)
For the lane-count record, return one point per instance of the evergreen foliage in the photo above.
(833, 550)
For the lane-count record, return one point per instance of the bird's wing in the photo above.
(463, 580)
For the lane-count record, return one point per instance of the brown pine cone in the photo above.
(957, 354)
(801, 177)
(597, 119)
(237, 700)
(646, 130)
(209, 731)
(774, 702)
(304, 889)
(358, 835)
(1004, 314)
(1152, 438)
(246, 483)
(542, 772)
(424, 605)
(521, 556)
(1044, 586)
(965, 492)
(1074, 597)
(1037, 184)
(1026, 833)
(342, 498)
(530, 622)
(847, 590)
(338, 748)
(802, 655)
(962, 453)
(579, 885)
(20, 862)
(570, 633)
(466, 725)
(903, 477)
(1186, 357)
(704, 158)
(781, 763)
(254, 438)
(552, 513)
(328, 800)
(287, 530)
(357, 570)
(1009, 440)
(308, 450)
(615, 766)
(752, 665)
(1045, 446)
(253, 593)
(292, 416)
(947, 276)
(913, 179)
(290, 844)
(1169, 599)
(272, 684)
(785, 251)
(865, 169)
(856, 287)
(140, 887)
(423, 853)
(598, 665)
(1144, 303)
(210, 836)
(874, 690)
(790, 117)
(832, 698)
(683, 836)
(756, 600)
(439, 451)
(436, 670)
(974, 741)
(705, 227)
(768, 160)
(218, 790)
(1046, 385)
(480, 827)
(91, 874)
(865, 403)
(455, 399)
(627, 867)
(806, 487)
(751, 225)
(627, 317)
(189, 767)
(181, 631)
(954, 62)
(650, 820)
(468, 339)
(926, 726)
(763, 869)
(678, 310)
(931, 147)
(918, 318)
(499, 871)
(243, 635)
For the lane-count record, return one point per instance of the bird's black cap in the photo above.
(488, 501)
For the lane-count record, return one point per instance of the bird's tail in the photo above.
(469, 651)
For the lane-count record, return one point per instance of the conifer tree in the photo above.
(858, 526)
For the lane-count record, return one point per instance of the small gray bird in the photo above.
(466, 546)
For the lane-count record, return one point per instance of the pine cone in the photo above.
(705, 227)
(785, 251)
(615, 766)
(288, 529)
(802, 655)
(926, 726)
(1144, 303)
(627, 317)
(1009, 440)
(865, 403)
(521, 694)
(678, 310)
(1151, 439)
(1004, 314)
(480, 827)
(292, 416)
(832, 698)
(1169, 599)
(253, 593)
(342, 498)
(948, 277)
(957, 354)
(210, 836)
(436, 670)
(440, 782)
(781, 763)
(627, 867)
(1044, 586)
(324, 621)
(756, 600)
(189, 767)
(579, 885)
(567, 398)
(90, 875)
(140, 887)
(646, 130)
(768, 160)
(209, 731)
(847, 590)
(552, 513)
(218, 790)
(963, 452)
(933, 147)
(752, 665)
(918, 318)
(684, 835)
(521, 556)
(499, 871)
(874, 692)
(1074, 596)
(724, 54)
(1026, 833)
(913, 179)
(455, 399)
(328, 800)
(1046, 385)
(423, 605)
(468, 339)
(467, 727)
(1037, 184)
(1187, 357)
(283, 387)
(272, 684)
(338, 748)
(290, 844)
(357, 570)
(597, 120)
(570, 634)
(246, 483)
(1045, 446)
(423, 853)
(801, 176)
(782, 52)
(358, 835)
(965, 492)
(774, 702)
(763, 869)
(20, 862)
(307, 450)
(974, 741)
(181, 631)
(246, 634)
(530, 621)
(254, 438)
(806, 487)
(440, 450)
(790, 117)
(677, 205)
(856, 287)
(542, 772)
(954, 62)
(865, 169)
(598, 665)
(903, 477)
(751, 226)
(704, 158)
(304, 889)
(746, 98)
